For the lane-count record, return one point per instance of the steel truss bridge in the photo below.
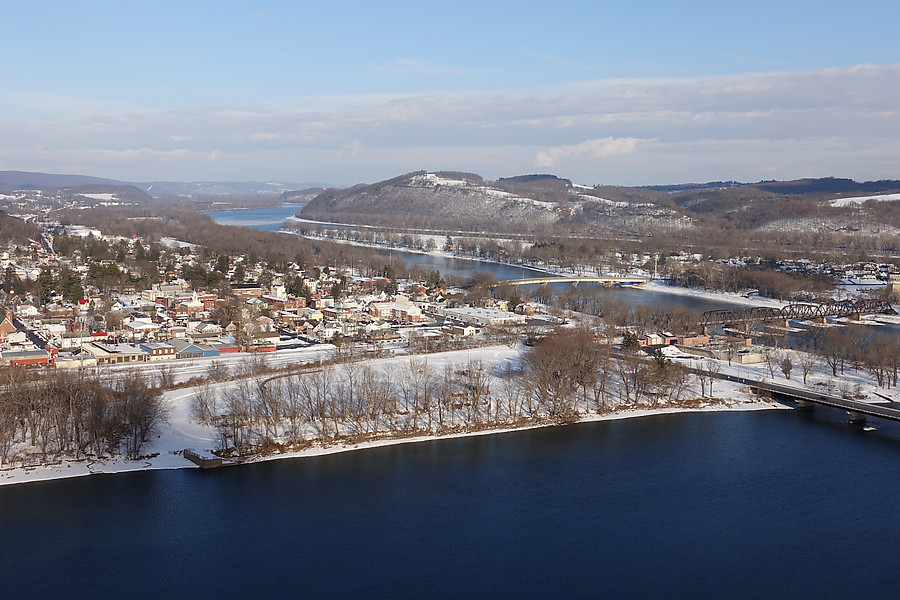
(758, 314)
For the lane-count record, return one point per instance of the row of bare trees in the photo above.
(70, 414)
(351, 399)
(568, 373)
(855, 347)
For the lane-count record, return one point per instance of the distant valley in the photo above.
(816, 215)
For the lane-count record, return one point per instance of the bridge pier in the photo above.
(805, 405)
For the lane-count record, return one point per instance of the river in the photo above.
(271, 218)
(770, 504)
(765, 504)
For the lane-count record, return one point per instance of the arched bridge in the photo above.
(607, 280)
(757, 314)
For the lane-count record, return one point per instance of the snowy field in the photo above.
(181, 432)
(863, 199)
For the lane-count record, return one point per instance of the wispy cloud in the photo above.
(610, 130)
(596, 148)
(351, 149)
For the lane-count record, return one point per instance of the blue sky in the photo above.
(345, 92)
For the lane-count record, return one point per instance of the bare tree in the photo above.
(786, 365)
(707, 373)
(217, 371)
(203, 403)
(808, 361)
(549, 368)
(166, 376)
(835, 347)
(142, 411)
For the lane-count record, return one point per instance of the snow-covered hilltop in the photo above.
(531, 201)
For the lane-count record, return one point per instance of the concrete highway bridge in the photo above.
(814, 312)
(857, 411)
(605, 280)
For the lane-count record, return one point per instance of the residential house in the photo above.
(140, 327)
(7, 327)
(407, 312)
(27, 311)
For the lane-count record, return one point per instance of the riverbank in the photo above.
(181, 431)
(656, 285)
(659, 285)
(173, 458)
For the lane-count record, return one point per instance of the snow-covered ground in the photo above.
(748, 299)
(864, 199)
(103, 196)
(181, 432)
(437, 239)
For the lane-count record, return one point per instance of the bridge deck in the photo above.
(864, 408)
(576, 280)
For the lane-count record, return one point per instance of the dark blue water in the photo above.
(742, 505)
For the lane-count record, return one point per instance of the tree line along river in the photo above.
(775, 504)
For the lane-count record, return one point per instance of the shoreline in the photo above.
(171, 461)
(655, 285)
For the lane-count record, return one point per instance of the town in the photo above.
(75, 318)
(84, 307)
(122, 322)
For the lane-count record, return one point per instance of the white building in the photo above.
(483, 317)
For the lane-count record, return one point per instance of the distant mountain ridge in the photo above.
(26, 180)
(818, 185)
(223, 188)
(542, 202)
(523, 203)
(526, 203)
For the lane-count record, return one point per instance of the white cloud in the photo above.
(841, 122)
(596, 148)
(351, 149)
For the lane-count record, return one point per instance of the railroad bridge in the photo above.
(748, 317)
